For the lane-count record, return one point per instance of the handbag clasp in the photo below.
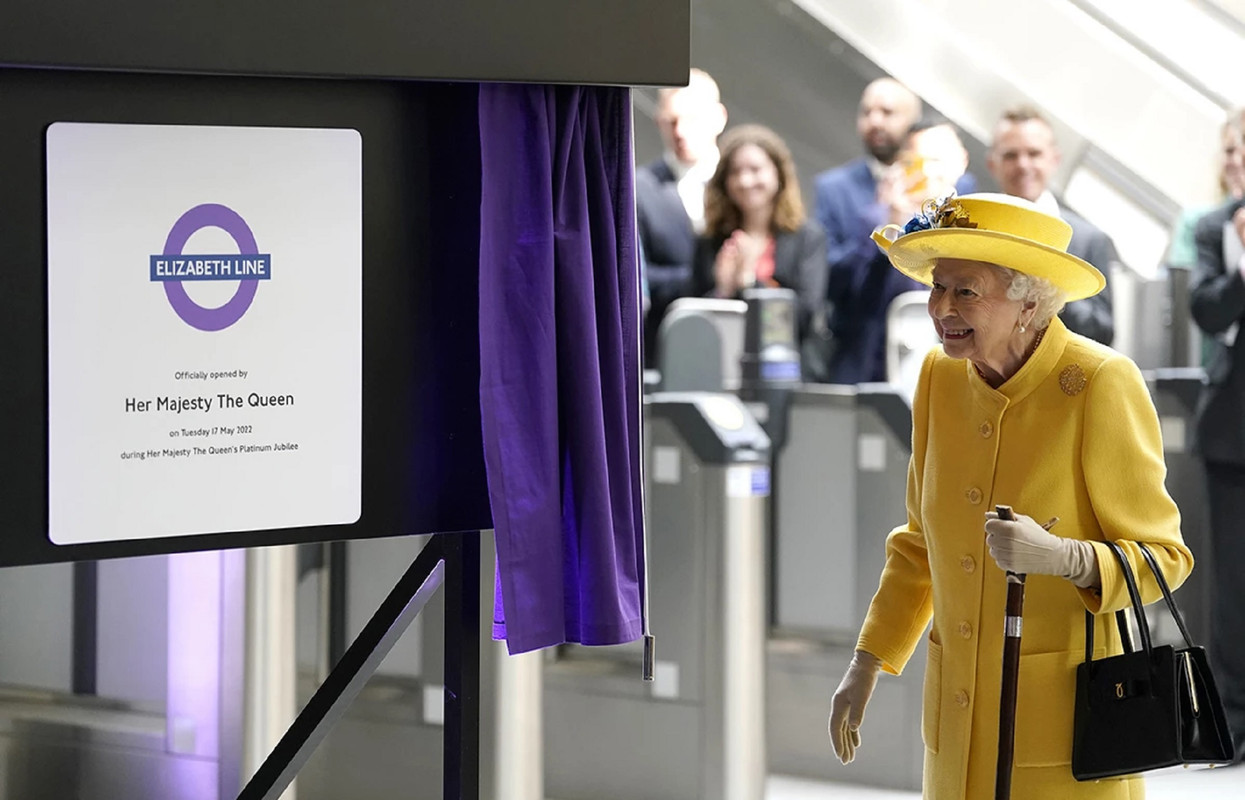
(1188, 672)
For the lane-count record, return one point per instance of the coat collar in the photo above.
(1031, 374)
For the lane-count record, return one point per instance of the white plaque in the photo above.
(204, 329)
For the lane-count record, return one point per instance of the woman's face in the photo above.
(752, 180)
(971, 311)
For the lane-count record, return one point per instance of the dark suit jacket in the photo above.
(1217, 296)
(668, 243)
(1092, 316)
(861, 282)
(799, 265)
(845, 206)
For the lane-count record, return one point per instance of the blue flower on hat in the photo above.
(919, 222)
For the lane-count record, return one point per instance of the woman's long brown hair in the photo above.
(722, 216)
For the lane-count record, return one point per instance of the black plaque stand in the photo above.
(454, 559)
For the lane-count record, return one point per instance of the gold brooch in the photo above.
(1072, 380)
(954, 216)
(946, 212)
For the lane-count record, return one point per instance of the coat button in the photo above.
(974, 495)
(961, 699)
(985, 429)
(966, 630)
(968, 563)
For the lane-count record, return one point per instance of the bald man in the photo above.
(670, 194)
(931, 162)
(845, 194)
(849, 205)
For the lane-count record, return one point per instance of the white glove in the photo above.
(847, 709)
(1023, 546)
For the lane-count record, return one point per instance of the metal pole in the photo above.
(1011, 675)
(335, 574)
(461, 751)
(85, 637)
(270, 660)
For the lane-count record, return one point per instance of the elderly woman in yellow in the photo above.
(1013, 409)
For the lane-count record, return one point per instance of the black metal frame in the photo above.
(454, 558)
(85, 635)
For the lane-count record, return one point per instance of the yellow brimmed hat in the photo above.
(995, 228)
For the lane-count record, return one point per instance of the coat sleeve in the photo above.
(903, 604)
(703, 279)
(1093, 316)
(812, 273)
(846, 222)
(665, 240)
(1122, 459)
(828, 215)
(1217, 293)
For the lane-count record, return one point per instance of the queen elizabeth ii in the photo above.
(1012, 409)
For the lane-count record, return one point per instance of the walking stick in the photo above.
(1011, 671)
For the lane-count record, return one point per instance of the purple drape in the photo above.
(559, 363)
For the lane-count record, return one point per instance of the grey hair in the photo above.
(1048, 300)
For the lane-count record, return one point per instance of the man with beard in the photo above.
(851, 201)
(931, 162)
(847, 203)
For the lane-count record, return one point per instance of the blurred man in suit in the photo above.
(931, 162)
(670, 194)
(847, 203)
(1217, 295)
(1023, 158)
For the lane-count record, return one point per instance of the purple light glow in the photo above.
(196, 585)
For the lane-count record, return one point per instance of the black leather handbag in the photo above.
(1148, 708)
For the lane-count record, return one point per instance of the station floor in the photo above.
(1168, 784)
(95, 750)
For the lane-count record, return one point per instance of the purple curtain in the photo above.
(560, 379)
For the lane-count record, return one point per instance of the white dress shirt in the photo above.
(690, 182)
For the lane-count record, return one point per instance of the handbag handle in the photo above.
(1138, 610)
(1167, 593)
(1121, 623)
(1134, 595)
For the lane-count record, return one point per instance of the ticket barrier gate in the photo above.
(840, 487)
(697, 730)
(701, 342)
(1175, 391)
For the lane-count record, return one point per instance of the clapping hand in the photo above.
(901, 191)
(736, 264)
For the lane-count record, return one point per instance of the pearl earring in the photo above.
(1022, 328)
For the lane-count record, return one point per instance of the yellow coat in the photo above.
(1073, 434)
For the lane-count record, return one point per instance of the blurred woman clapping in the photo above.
(756, 232)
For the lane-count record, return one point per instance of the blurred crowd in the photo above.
(721, 210)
